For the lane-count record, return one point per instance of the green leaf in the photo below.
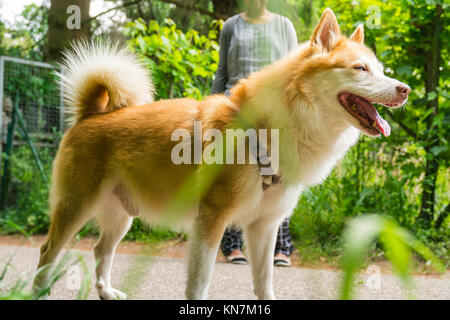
(397, 242)
(403, 70)
(153, 26)
(436, 150)
(396, 249)
(140, 25)
(359, 235)
(431, 95)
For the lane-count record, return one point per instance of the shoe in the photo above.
(236, 258)
(281, 260)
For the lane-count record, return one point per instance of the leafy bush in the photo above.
(373, 178)
(389, 175)
(26, 37)
(182, 64)
(27, 205)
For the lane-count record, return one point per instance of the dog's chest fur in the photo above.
(318, 159)
(314, 165)
(311, 147)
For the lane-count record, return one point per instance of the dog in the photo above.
(114, 162)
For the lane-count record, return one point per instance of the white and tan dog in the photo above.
(115, 161)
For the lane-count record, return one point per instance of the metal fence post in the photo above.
(2, 62)
(9, 146)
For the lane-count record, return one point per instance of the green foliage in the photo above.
(182, 64)
(303, 14)
(404, 42)
(26, 38)
(32, 85)
(142, 232)
(387, 175)
(373, 178)
(27, 205)
(396, 242)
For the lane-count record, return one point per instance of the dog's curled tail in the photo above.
(97, 77)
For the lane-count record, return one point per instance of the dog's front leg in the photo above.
(261, 237)
(206, 235)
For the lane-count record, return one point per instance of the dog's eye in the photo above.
(362, 68)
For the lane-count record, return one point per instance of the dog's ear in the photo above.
(327, 31)
(358, 35)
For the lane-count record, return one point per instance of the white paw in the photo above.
(111, 294)
(265, 295)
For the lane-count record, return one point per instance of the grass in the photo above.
(21, 288)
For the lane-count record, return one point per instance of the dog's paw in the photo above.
(111, 294)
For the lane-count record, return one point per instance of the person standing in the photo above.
(248, 42)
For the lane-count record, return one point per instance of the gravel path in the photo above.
(146, 277)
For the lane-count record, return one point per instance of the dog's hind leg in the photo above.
(261, 238)
(206, 235)
(68, 216)
(114, 223)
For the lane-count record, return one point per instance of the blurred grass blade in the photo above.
(397, 250)
(359, 235)
(396, 241)
(424, 251)
(85, 287)
(16, 227)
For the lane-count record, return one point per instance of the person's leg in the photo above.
(284, 246)
(231, 241)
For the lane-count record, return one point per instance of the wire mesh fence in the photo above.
(39, 94)
(31, 123)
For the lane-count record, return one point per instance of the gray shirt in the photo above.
(247, 47)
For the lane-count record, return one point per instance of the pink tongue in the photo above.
(383, 125)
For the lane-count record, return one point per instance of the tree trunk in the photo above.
(433, 57)
(226, 7)
(59, 32)
(443, 216)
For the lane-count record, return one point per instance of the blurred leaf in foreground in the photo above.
(397, 242)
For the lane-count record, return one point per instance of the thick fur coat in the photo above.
(115, 161)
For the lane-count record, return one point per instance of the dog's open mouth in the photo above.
(364, 111)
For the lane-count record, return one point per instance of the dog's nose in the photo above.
(403, 89)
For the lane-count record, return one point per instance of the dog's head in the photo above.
(344, 77)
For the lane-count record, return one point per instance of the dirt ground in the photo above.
(158, 272)
(177, 248)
